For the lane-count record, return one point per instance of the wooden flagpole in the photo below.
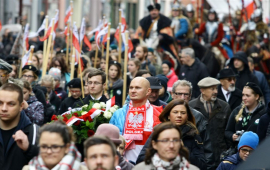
(80, 68)
(107, 55)
(120, 37)
(96, 54)
(125, 70)
(102, 46)
(72, 67)
(44, 64)
(71, 27)
(49, 45)
(67, 47)
(31, 54)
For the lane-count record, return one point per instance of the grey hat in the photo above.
(208, 82)
(5, 66)
(55, 73)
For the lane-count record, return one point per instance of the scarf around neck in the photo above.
(180, 162)
(71, 161)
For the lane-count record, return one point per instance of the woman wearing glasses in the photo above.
(166, 150)
(178, 113)
(56, 149)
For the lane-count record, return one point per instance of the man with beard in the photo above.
(141, 54)
(227, 90)
(100, 153)
(217, 112)
(5, 69)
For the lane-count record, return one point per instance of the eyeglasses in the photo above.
(231, 78)
(53, 148)
(180, 94)
(95, 83)
(245, 151)
(167, 141)
(75, 91)
(27, 76)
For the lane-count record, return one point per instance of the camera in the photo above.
(239, 133)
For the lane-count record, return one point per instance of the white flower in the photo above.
(96, 106)
(84, 106)
(103, 105)
(83, 113)
(116, 107)
(107, 114)
(112, 109)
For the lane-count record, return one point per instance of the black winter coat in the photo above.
(55, 101)
(117, 90)
(194, 74)
(87, 99)
(215, 129)
(235, 100)
(14, 158)
(263, 129)
(49, 113)
(67, 104)
(252, 125)
(191, 140)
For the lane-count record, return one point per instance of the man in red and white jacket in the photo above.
(136, 119)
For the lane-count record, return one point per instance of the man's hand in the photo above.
(234, 137)
(21, 139)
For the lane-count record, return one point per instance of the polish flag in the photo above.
(110, 103)
(25, 37)
(123, 21)
(87, 42)
(100, 25)
(41, 28)
(69, 12)
(249, 7)
(102, 32)
(76, 44)
(82, 30)
(25, 58)
(0, 25)
(56, 19)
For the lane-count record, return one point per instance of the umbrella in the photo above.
(259, 159)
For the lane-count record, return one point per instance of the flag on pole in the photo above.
(102, 32)
(249, 7)
(123, 21)
(56, 19)
(82, 30)
(100, 24)
(25, 37)
(41, 28)
(76, 44)
(87, 43)
(25, 58)
(69, 11)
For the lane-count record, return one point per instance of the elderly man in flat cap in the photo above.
(217, 112)
(5, 69)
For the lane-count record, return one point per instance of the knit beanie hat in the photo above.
(163, 80)
(248, 139)
(168, 63)
(55, 73)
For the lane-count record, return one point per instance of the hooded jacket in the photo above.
(245, 75)
(12, 157)
(35, 110)
(230, 162)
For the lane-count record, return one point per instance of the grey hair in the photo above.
(189, 52)
(182, 83)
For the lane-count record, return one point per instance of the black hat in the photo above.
(154, 83)
(75, 83)
(32, 68)
(5, 66)
(255, 88)
(12, 59)
(155, 6)
(115, 63)
(226, 73)
(168, 63)
(240, 55)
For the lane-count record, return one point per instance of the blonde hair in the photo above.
(48, 78)
(240, 113)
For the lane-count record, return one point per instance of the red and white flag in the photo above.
(110, 103)
(82, 30)
(69, 12)
(123, 21)
(249, 7)
(100, 25)
(41, 28)
(55, 19)
(102, 32)
(76, 44)
(25, 58)
(25, 37)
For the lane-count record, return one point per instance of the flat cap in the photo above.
(208, 82)
(154, 83)
(75, 83)
(5, 66)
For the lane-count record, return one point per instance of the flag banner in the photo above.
(69, 12)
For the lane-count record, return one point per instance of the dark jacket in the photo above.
(55, 101)
(194, 74)
(252, 125)
(230, 162)
(245, 75)
(61, 93)
(35, 110)
(49, 113)
(40, 95)
(191, 140)
(166, 97)
(67, 104)
(123, 163)
(117, 90)
(263, 129)
(159, 103)
(148, 66)
(14, 158)
(87, 99)
(235, 99)
(215, 129)
(263, 85)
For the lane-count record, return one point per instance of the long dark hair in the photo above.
(163, 117)
(150, 152)
(62, 63)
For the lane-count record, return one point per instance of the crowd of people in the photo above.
(198, 93)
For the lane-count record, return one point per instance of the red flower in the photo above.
(89, 119)
(90, 133)
(54, 117)
(75, 114)
(77, 123)
(65, 118)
